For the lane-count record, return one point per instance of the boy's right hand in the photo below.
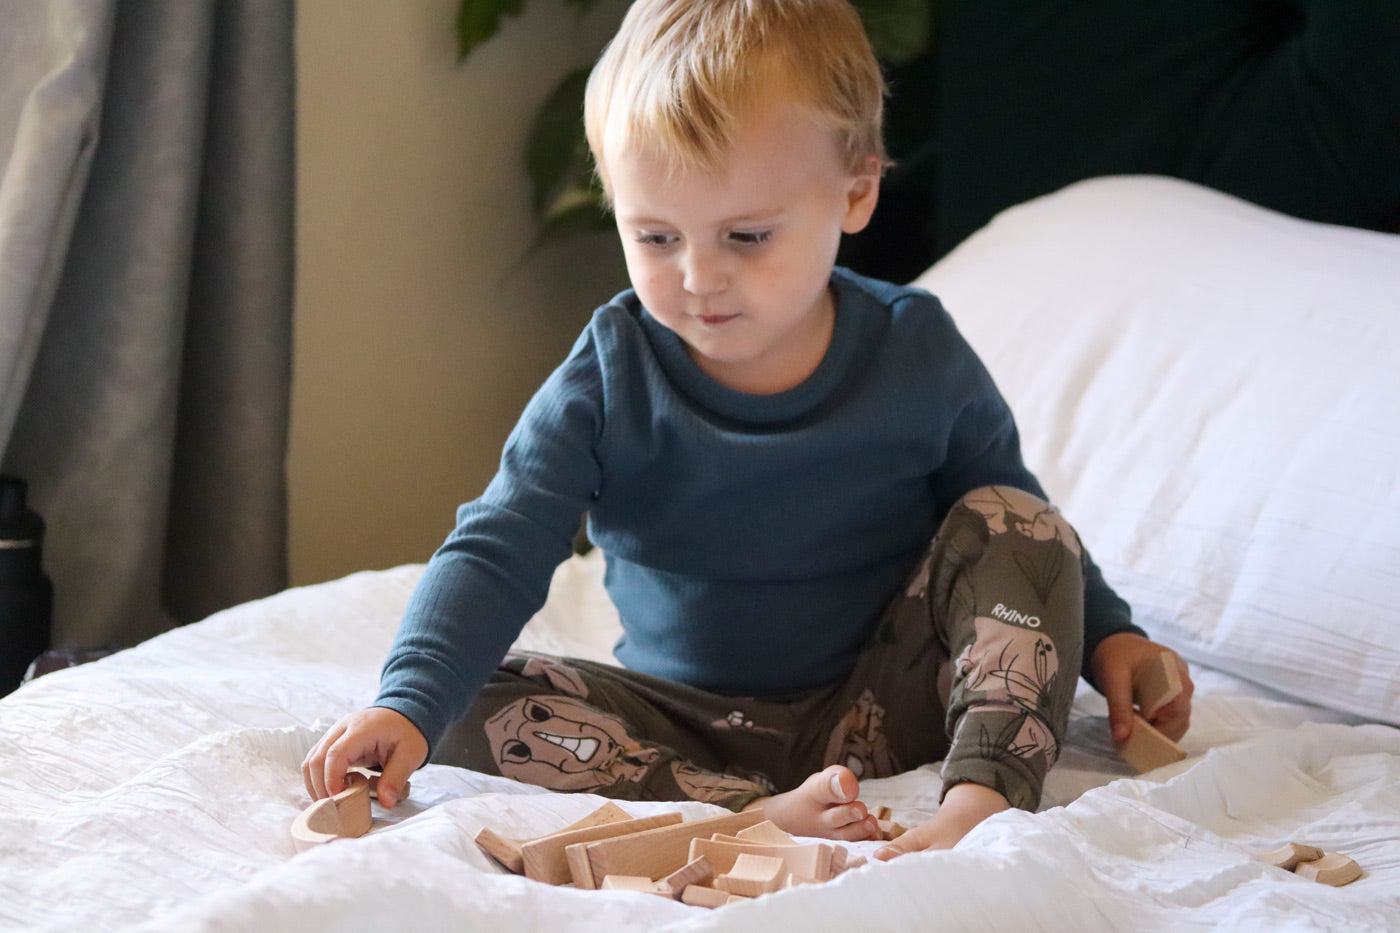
(371, 737)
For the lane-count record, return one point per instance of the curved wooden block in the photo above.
(346, 814)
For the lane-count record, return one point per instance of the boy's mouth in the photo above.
(715, 320)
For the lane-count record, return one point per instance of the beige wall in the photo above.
(419, 332)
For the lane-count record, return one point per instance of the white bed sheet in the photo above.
(154, 790)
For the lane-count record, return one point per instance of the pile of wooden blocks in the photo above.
(706, 863)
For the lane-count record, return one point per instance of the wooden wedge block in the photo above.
(546, 859)
(810, 860)
(1147, 748)
(507, 851)
(1289, 855)
(1333, 868)
(766, 832)
(881, 813)
(699, 871)
(698, 895)
(753, 875)
(1161, 685)
(659, 851)
(344, 815)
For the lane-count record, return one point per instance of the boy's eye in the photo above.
(750, 237)
(655, 239)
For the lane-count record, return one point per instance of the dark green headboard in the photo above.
(1291, 105)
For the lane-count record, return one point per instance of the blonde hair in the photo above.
(679, 74)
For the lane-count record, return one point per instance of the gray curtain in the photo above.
(146, 247)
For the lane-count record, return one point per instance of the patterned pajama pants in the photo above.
(974, 663)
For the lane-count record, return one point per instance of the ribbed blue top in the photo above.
(751, 540)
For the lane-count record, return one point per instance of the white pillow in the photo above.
(1211, 392)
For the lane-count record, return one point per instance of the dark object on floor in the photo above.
(26, 595)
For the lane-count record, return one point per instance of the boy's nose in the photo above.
(704, 276)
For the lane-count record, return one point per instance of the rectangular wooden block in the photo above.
(636, 883)
(697, 895)
(545, 858)
(1147, 748)
(1162, 686)
(507, 851)
(660, 851)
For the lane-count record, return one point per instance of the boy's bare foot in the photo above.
(824, 806)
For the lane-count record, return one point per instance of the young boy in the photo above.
(829, 559)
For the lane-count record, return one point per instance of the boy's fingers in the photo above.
(404, 759)
(1117, 689)
(313, 767)
(1174, 719)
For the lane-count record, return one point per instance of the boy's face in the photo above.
(737, 262)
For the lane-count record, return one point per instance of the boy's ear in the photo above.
(861, 197)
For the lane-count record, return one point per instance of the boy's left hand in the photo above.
(1119, 664)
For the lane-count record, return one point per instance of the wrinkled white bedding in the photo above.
(154, 790)
(1247, 512)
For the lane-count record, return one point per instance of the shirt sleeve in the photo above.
(493, 571)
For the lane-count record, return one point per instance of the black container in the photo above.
(26, 595)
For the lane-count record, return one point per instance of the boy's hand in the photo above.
(1119, 665)
(371, 737)
(964, 806)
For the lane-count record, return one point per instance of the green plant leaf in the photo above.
(579, 208)
(557, 148)
(899, 30)
(479, 20)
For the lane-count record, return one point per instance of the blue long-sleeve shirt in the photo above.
(751, 540)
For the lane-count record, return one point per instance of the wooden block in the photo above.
(344, 815)
(753, 875)
(736, 899)
(697, 895)
(811, 860)
(1147, 748)
(507, 851)
(372, 776)
(699, 871)
(1288, 856)
(881, 813)
(1333, 868)
(766, 832)
(662, 850)
(838, 860)
(637, 883)
(1161, 684)
(890, 830)
(546, 860)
